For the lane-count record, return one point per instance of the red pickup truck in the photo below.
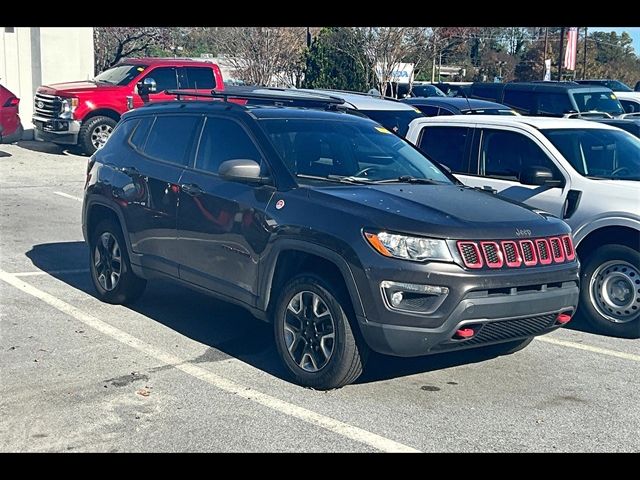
(84, 113)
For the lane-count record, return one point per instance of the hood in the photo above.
(75, 88)
(445, 211)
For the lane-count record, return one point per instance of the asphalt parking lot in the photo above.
(180, 371)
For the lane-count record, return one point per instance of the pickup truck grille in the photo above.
(516, 253)
(48, 106)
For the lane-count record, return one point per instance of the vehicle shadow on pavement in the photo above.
(45, 147)
(4, 154)
(228, 330)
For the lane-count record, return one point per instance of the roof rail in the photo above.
(286, 96)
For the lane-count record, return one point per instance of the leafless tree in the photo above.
(111, 44)
(264, 55)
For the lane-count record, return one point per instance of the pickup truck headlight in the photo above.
(408, 247)
(68, 107)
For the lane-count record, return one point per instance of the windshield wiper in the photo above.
(336, 179)
(409, 179)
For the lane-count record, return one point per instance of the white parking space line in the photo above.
(348, 431)
(590, 348)
(66, 195)
(51, 272)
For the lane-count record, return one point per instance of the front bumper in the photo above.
(500, 307)
(56, 130)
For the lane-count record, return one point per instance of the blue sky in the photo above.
(633, 31)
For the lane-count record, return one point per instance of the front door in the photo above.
(222, 227)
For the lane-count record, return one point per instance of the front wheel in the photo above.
(94, 133)
(610, 293)
(314, 336)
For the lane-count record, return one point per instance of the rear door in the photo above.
(222, 226)
(160, 147)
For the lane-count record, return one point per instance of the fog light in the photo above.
(412, 297)
(396, 299)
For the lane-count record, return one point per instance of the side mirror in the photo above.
(539, 176)
(242, 170)
(147, 86)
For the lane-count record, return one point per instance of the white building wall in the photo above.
(34, 56)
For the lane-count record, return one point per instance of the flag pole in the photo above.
(561, 54)
(584, 58)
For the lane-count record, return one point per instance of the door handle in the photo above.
(191, 189)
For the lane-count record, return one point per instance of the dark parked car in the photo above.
(10, 125)
(615, 85)
(425, 90)
(550, 99)
(434, 106)
(342, 234)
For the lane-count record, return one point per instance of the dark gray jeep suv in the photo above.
(339, 232)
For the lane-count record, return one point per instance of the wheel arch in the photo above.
(105, 112)
(608, 235)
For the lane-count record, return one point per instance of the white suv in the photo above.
(584, 172)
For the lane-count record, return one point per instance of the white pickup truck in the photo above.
(584, 172)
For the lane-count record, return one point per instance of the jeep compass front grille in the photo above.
(516, 253)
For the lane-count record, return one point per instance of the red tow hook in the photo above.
(563, 318)
(464, 333)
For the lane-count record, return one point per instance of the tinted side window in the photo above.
(120, 135)
(428, 111)
(554, 104)
(223, 139)
(486, 92)
(523, 102)
(165, 78)
(630, 107)
(140, 135)
(200, 77)
(505, 154)
(447, 145)
(171, 137)
(444, 111)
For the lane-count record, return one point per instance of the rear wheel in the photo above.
(95, 132)
(110, 268)
(610, 293)
(314, 335)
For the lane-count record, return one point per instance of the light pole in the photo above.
(308, 38)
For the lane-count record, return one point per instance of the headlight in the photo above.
(408, 247)
(68, 107)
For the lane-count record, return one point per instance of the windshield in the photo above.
(599, 153)
(357, 151)
(427, 91)
(598, 102)
(120, 75)
(396, 120)
(490, 111)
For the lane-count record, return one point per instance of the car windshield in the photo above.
(427, 91)
(598, 102)
(396, 120)
(490, 111)
(120, 75)
(599, 153)
(360, 152)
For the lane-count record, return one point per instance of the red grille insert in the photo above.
(569, 251)
(516, 253)
(470, 254)
(528, 253)
(557, 250)
(492, 254)
(511, 254)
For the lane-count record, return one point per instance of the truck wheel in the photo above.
(314, 336)
(610, 291)
(111, 271)
(94, 133)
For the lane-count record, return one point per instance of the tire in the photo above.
(610, 291)
(120, 289)
(508, 348)
(309, 365)
(94, 133)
